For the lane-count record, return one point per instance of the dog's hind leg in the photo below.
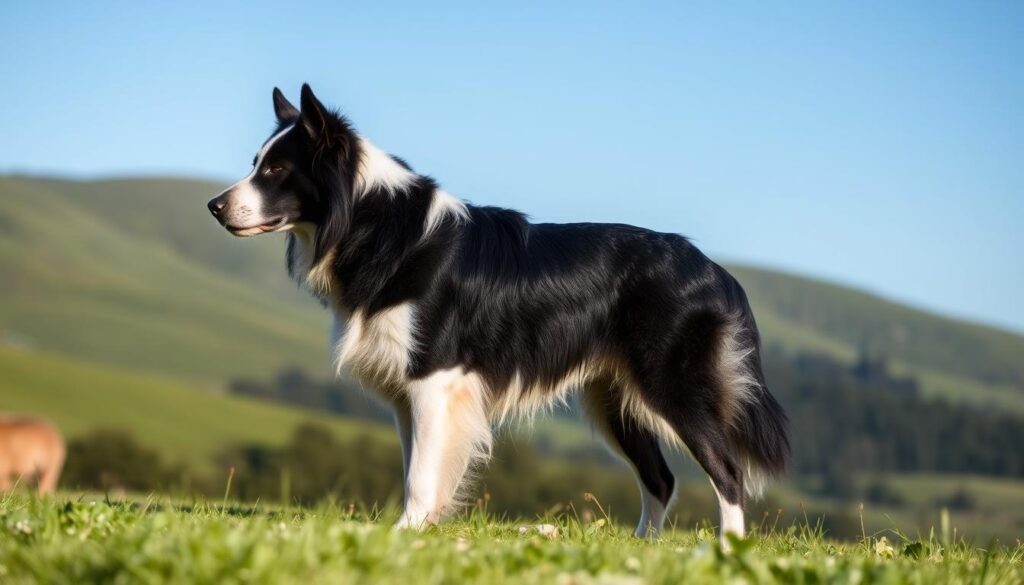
(628, 438)
(693, 392)
(705, 436)
(450, 429)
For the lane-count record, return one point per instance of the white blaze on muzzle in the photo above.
(244, 209)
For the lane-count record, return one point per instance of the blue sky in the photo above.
(877, 144)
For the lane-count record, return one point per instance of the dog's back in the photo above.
(30, 447)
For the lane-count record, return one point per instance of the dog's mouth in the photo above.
(273, 225)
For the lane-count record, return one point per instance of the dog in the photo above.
(463, 317)
(30, 447)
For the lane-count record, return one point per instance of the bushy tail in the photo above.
(760, 426)
(762, 438)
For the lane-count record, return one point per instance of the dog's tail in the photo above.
(760, 433)
(759, 425)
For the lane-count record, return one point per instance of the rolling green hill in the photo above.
(183, 421)
(86, 283)
(171, 213)
(953, 359)
(134, 274)
(856, 319)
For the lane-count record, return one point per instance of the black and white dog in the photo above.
(464, 316)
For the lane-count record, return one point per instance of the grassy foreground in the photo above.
(78, 541)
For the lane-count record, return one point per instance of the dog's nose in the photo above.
(216, 205)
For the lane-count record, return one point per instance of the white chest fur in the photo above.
(377, 348)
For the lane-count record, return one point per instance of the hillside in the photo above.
(172, 213)
(950, 358)
(86, 283)
(185, 422)
(857, 319)
(134, 274)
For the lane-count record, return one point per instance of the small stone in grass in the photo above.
(548, 530)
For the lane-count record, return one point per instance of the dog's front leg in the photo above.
(449, 429)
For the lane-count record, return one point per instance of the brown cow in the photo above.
(30, 447)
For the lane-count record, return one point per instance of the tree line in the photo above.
(845, 418)
(850, 419)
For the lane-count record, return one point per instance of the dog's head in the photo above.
(302, 176)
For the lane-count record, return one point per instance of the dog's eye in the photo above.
(273, 170)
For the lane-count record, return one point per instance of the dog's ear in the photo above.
(316, 119)
(327, 130)
(283, 109)
(334, 147)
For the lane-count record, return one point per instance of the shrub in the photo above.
(108, 459)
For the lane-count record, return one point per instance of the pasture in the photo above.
(73, 539)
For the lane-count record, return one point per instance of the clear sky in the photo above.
(879, 144)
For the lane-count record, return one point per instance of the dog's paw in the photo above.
(412, 521)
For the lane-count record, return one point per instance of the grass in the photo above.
(72, 540)
(184, 421)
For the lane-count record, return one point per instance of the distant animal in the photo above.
(464, 316)
(30, 448)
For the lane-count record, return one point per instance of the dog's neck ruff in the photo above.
(378, 170)
(378, 174)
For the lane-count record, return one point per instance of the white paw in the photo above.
(646, 531)
(411, 520)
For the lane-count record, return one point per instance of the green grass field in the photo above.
(75, 540)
